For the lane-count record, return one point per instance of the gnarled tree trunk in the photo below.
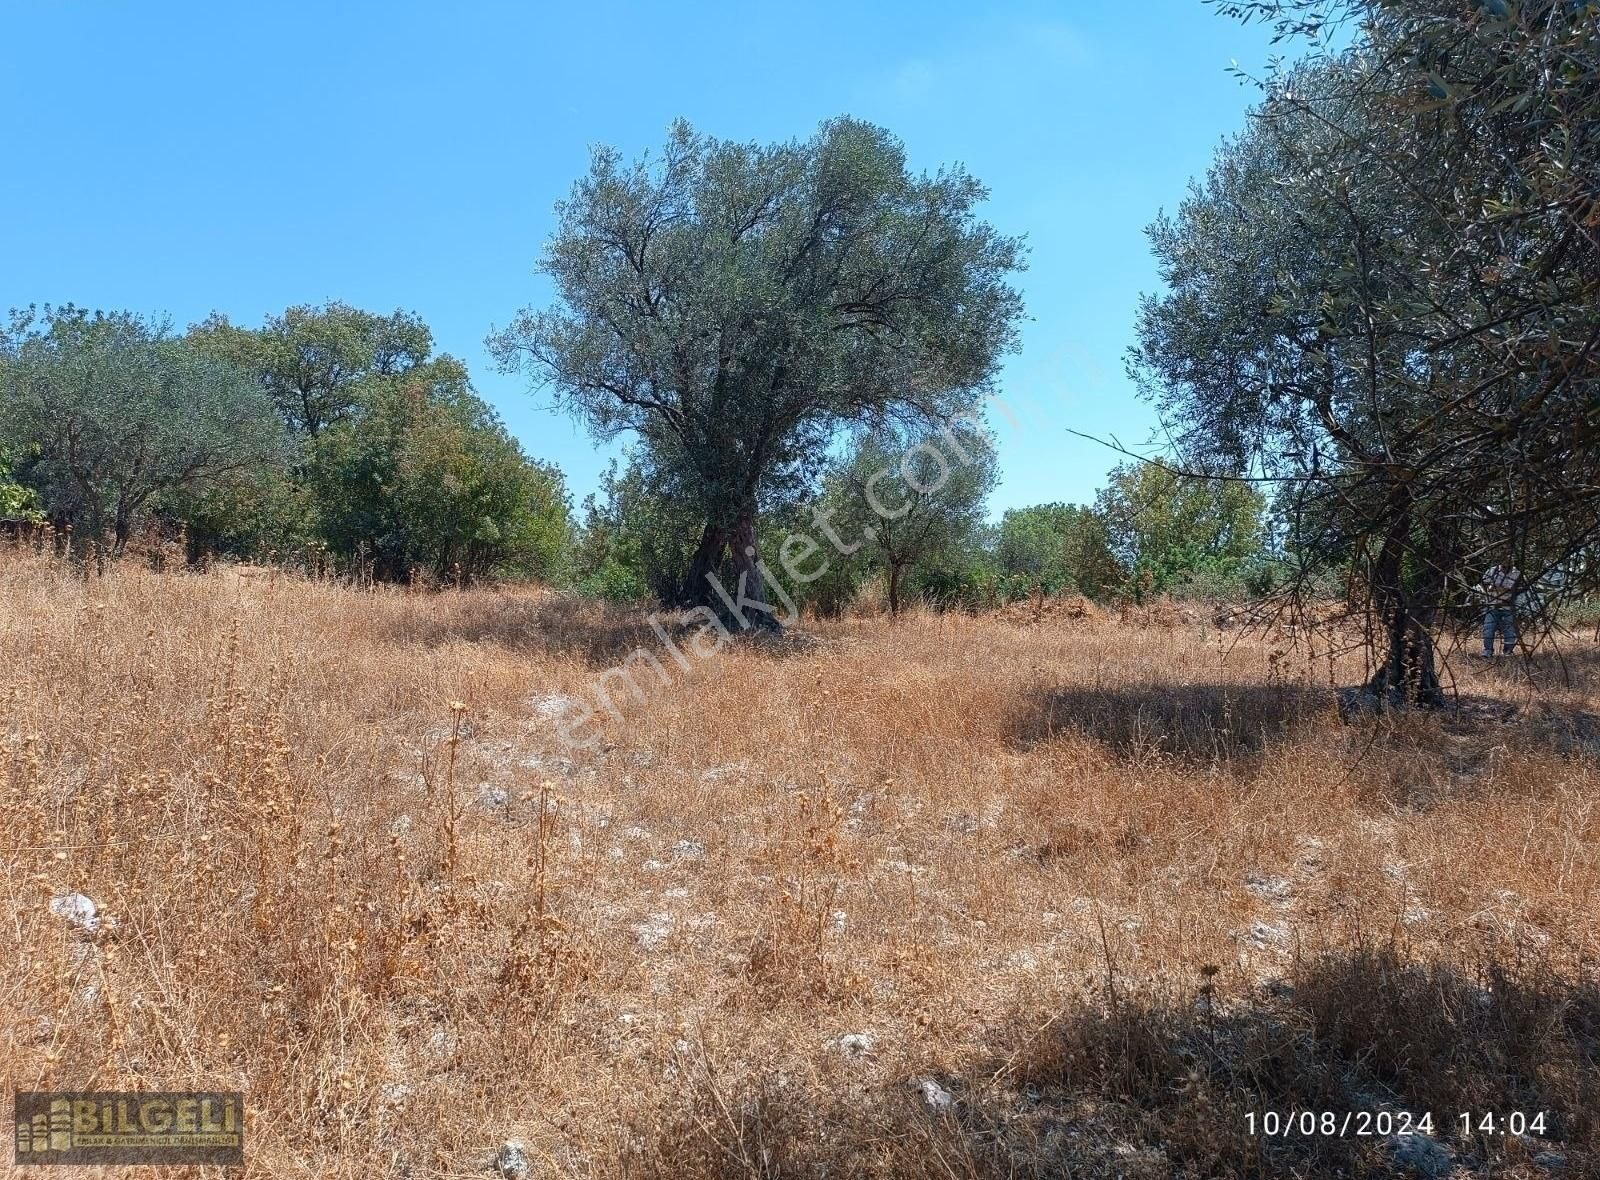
(1408, 674)
(706, 561)
(724, 574)
(748, 584)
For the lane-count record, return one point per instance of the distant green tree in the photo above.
(415, 479)
(316, 362)
(263, 514)
(964, 575)
(1057, 546)
(1163, 526)
(116, 411)
(400, 464)
(474, 502)
(635, 537)
(914, 496)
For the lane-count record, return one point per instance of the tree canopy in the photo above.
(399, 465)
(114, 411)
(1161, 526)
(316, 362)
(1057, 547)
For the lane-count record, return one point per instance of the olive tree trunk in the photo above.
(725, 574)
(1408, 610)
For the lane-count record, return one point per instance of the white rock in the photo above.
(935, 1097)
(688, 850)
(400, 826)
(442, 1043)
(77, 909)
(856, 1044)
(1274, 889)
(1267, 934)
(552, 705)
(511, 1161)
(654, 931)
(493, 798)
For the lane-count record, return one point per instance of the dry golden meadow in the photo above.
(959, 897)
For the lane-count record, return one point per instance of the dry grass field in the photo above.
(957, 897)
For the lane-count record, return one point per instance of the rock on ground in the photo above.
(511, 1161)
(77, 909)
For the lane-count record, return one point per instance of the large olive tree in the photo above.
(737, 304)
(1386, 296)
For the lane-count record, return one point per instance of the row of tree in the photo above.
(336, 435)
(327, 435)
(902, 514)
(1382, 304)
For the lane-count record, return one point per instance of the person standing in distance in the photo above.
(1500, 585)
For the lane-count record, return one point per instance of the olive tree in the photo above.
(737, 304)
(1385, 297)
(912, 496)
(115, 411)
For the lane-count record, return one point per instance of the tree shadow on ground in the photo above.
(600, 634)
(1192, 721)
(1555, 725)
(1565, 662)
(1167, 1079)
(1211, 722)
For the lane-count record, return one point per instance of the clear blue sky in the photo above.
(180, 157)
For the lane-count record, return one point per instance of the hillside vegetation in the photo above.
(964, 896)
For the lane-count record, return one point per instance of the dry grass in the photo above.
(1111, 885)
